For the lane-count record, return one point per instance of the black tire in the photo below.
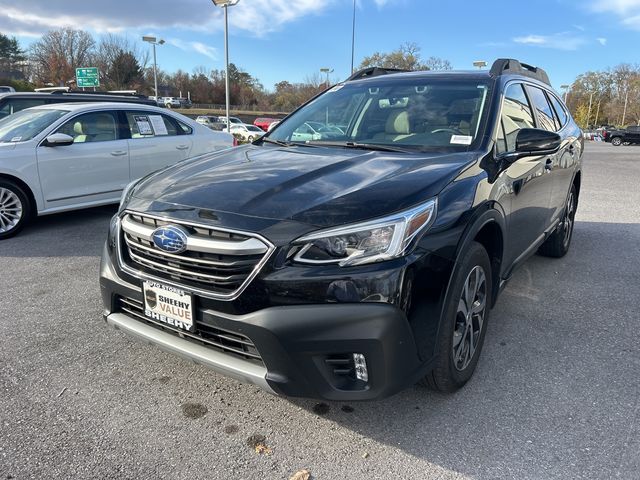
(616, 141)
(558, 243)
(15, 209)
(450, 371)
(250, 139)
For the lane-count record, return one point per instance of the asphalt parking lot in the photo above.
(556, 393)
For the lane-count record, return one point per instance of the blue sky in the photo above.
(292, 39)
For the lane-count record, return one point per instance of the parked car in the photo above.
(248, 133)
(315, 131)
(233, 120)
(273, 125)
(264, 122)
(207, 120)
(11, 103)
(351, 267)
(67, 156)
(185, 102)
(172, 102)
(5, 89)
(627, 136)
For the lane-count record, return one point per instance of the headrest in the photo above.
(398, 123)
(77, 128)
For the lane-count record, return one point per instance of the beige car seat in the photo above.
(397, 127)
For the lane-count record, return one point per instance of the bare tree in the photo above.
(58, 53)
(406, 57)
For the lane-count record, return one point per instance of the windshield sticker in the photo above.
(15, 139)
(461, 139)
(158, 125)
(144, 127)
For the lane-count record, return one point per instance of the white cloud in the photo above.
(602, 41)
(557, 41)
(199, 47)
(34, 17)
(628, 11)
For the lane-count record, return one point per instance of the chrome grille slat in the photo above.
(134, 308)
(218, 265)
(153, 252)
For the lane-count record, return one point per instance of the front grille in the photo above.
(216, 262)
(223, 340)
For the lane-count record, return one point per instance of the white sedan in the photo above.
(248, 133)
(68, 156)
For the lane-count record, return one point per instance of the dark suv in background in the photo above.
(365, 256)
(13, 102)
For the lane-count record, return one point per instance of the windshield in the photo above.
(408, 113)
(25, 125)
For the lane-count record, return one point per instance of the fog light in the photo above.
(361, 367)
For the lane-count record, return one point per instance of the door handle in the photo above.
(118, 153)
(549, 164)
(182, 147)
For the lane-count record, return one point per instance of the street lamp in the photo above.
(566, 91)
(327, 71)
(225, 4)
(480, 64)
(154, 41)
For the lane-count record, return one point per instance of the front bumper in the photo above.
(301, 347)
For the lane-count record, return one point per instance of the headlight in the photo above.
(367, 242)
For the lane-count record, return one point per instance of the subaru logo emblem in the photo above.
(170, 238)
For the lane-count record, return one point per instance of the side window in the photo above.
(543, 109)
(516, 114)
(146, 124)
(185, 128)
(91, 127)
(14, 105)
(560, 111)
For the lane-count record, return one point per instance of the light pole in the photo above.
(154, 41)
(565, 87)
(327, 71)
(353, 34)
(225, 4)
(480, 64)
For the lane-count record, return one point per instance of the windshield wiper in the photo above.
(362, 146)
(284, 143)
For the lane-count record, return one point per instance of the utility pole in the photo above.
(624, 111)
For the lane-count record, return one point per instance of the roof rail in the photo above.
(108, 94)
(510, 65)
(373, 72)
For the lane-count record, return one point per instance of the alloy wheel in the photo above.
(567, 221)
(10, 210)
(470, 316)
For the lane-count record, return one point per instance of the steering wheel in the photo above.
(455, 131)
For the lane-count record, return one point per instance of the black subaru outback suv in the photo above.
(358, 247)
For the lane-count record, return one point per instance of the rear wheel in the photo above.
(557, 245)
(617, 141)
(462, 332)
(250, 139)
(14, 209)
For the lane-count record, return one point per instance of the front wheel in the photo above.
(14, 209)
(616, 141)
(463, 328)
(250, 139)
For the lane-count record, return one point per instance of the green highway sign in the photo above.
(87, 77)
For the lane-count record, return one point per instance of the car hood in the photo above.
(317, 186)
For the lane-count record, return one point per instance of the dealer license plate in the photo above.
(168, 305)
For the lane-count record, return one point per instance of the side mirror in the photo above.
(58, 140)
(534, 141)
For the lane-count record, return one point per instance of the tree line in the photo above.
(609, 97)
(595, 98)
(126, 65)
